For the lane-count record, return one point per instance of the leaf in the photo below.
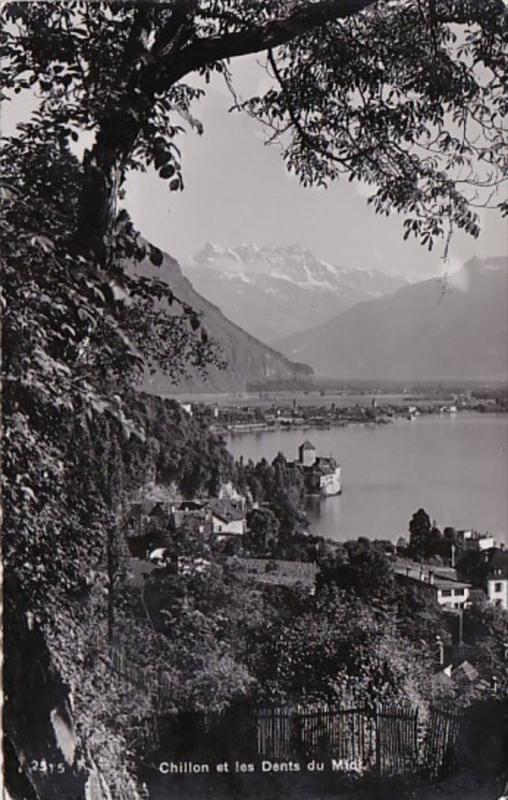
(7, 192)
(174, 185)
(161, 158)
(84, 314)
(167, 172)
(140, 252)
(43, 242)
(156, 256)
(118, 292)
(28, 492)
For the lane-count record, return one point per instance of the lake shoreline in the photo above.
(453, 466)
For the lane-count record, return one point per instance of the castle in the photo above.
(322, 475)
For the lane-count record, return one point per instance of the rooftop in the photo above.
(467, 670)
(442, 583)
(227, 510)
(326, 463)
(430, 576)
(481, 565)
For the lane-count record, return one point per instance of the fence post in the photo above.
(377, 732)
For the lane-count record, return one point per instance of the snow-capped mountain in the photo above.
(273, 292)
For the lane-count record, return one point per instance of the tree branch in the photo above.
(256, 38)
(309, 141)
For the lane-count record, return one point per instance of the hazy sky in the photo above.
(237, 190)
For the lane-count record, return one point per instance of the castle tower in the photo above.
(307, 454)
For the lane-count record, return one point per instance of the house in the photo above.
(275, 572)
(497, 578)
(321, 475)
(441, 582)
(472, 540)
(227, 517)
(453, 594)
(488, 570)
(483, 542)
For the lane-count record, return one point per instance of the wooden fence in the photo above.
(442, 733)
(386, 740)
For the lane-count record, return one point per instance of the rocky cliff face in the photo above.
(249, 361)
(272, 292)
(52, 749)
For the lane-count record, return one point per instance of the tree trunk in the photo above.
(104, 164)
(103, 172)
(111, 569)
(97, 209)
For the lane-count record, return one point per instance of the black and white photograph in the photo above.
(255, 399)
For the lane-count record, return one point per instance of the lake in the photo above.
(453, 466)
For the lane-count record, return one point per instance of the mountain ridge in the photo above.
(434, 329)
(249, 361)
(275, 291)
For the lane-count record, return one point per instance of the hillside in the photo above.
(454, 328)
(249, 361)
(276, 291)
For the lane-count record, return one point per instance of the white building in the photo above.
(442, 582)
(228, 517)
(480, 543)
(451, 594)
(497, 579)
(497, 592)
(473, 540)
(488, 570)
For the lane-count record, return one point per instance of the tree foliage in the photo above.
(425, 538)
(340, 649)
(75, 339)
(486, 630)
(277, 485)
(263, 531)
(360, 567)
(406, 95)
